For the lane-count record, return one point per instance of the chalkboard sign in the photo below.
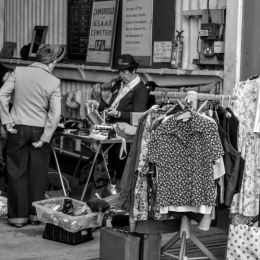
(79, 18)
(102, 32)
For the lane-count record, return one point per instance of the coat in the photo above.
(36, 99)
(136, 100)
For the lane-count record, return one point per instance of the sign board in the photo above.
(162, 51)
(79, 15)
(102, 32)
(137, 24)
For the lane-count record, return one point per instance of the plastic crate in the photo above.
(55, 233)
(47, 213)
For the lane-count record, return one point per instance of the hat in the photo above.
(48, 53)
(125, 61)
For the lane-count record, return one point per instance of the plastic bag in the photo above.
(3, 207)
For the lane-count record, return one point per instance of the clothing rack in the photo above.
(193, 94)
(184, 234)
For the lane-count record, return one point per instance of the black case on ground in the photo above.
(118, 245)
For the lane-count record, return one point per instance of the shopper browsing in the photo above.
(30, 125)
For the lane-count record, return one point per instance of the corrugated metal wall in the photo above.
(86, 90)
(22, 15)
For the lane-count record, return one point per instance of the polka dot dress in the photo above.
(243, 243)
(185, 151)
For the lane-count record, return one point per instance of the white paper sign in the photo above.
(137, 17)
(162, 51)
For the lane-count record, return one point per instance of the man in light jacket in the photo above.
(30, 124)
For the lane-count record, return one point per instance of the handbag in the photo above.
(244, 241)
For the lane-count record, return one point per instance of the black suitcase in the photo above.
(150, 246)
(118, 245)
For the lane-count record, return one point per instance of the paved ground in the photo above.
(27, 244)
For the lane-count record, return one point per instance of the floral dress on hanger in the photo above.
(245, 107)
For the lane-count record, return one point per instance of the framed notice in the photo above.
(162, 51)
(102, 32)
(137, 24)
(8, 50)
(38, 38)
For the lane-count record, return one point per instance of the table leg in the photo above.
(90, 172)
(105, 163)
(77, 166)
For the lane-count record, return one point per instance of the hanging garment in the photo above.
(185, 151)
(234, 163)
(233, 125)
(140, 199)
(243, 242)
(245, 107)
(130, 167)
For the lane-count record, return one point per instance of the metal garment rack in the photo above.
(184, 234)
(193, 95)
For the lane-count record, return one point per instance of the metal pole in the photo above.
(58, 168)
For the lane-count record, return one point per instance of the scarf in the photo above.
(125, 89)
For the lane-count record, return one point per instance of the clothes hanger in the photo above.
(229, 101)
(228, 114)
(202, 106)
(187, 114)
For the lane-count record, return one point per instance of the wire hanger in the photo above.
(187, 114)
(229, 101)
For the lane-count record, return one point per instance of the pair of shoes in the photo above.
(19, 225)
(35, 222)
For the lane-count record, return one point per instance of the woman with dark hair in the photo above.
(128, 95)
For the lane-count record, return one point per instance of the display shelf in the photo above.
(163, 76)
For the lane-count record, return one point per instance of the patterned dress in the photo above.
(245, 108)
(184, 152)
(140, 205)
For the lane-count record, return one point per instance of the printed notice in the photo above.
(137, 17)
(101, 32)
(162, 51)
